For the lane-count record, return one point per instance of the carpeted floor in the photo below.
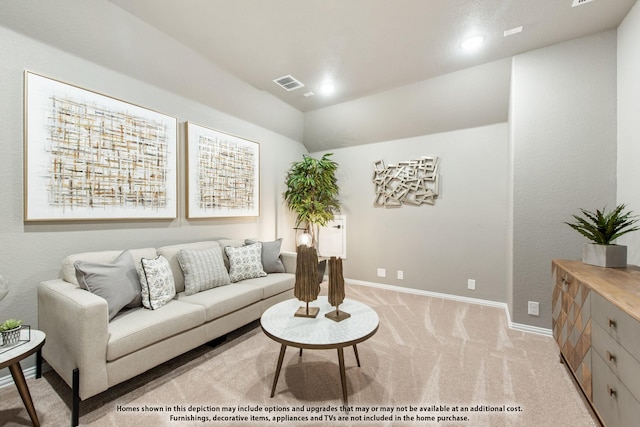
(430, 358)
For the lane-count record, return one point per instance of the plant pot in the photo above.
(605, 255)
(11, 336)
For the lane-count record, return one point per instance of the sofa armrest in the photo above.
(76, 323)
(289, 261)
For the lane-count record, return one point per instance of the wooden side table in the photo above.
(11, 358)
(320, 333)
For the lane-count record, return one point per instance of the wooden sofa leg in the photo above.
(75, 405)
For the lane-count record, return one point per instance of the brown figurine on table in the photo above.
(307, 287)
(336, 289)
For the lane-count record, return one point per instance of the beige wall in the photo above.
(563, 143)
(463, 236)
(629, 124)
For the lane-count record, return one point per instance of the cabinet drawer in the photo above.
(619, 325)
(611, 399)
(621, 363)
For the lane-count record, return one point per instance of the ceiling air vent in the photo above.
(580, 2)
(288, 83)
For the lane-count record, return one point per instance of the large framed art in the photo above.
(223, 174)
(89, 156)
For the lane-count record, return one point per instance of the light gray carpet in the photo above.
(428, 353)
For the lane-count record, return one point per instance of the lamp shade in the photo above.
(305, 239)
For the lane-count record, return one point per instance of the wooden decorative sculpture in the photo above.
(307, 287)
(336, 289)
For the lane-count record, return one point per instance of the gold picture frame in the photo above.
(223, 174)
(88, 156)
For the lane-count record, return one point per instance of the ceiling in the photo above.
(365, 46)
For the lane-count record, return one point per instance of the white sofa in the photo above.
(92, 353)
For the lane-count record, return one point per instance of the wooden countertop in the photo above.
(620, 286)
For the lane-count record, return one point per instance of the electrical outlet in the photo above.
(400, 275)
(534, 308)
(471, 284)
(382, 272)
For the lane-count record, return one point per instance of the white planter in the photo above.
(604, 255)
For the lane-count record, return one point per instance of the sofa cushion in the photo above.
(203, 269)
(135, 329)
(117, 281)
(271, 262)
(156, 279)
(223, 300)
(171, 254)
(273, 284)
(245, 262)
(69, 271)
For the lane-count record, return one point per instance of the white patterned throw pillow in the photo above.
(245, 262)
(156, 280)
(203, 269)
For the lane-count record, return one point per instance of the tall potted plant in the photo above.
(312, 192)
(602, 229)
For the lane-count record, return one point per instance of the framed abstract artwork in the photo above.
(89, 156)
(223, 174)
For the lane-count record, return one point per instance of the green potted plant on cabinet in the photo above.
(602, 228)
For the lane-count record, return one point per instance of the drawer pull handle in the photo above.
(612, 323)
(611, 391)
(611, 357)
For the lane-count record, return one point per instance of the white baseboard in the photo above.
(502, 305)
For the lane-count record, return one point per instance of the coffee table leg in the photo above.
(355, 350)
(343, 377)
(21, 384)
(280, 358)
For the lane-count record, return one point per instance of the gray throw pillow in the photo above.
(271, 262)
(245, 262)
(203, 269)
(116, 282)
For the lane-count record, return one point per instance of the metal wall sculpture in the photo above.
(89, 156)
(413, 182)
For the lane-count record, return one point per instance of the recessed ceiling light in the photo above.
(308, 94)
(472, 43)
(327, 88)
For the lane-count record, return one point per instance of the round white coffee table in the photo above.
(12, 357)
(320, 333)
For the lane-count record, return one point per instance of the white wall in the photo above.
(463, 236)
(563, 143)
(33, 252)
(629, 124)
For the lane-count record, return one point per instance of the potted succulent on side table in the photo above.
(10, 331)
(602, 229)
